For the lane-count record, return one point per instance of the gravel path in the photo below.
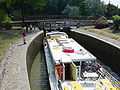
(11, 66)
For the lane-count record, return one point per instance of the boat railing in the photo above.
(112, 79)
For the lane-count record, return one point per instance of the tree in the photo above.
(74, 11)
(75, 2)
(54, 7)
(116, 21)
(83, 9)
(61, 4)
(112, 10)
(71, 11)
(95, 7)
(67, 10)
(50, 8)
(13, 7)
(5, 6)
(2, 15)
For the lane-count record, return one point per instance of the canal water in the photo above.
(38, 77)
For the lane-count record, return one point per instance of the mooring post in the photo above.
(44, 32)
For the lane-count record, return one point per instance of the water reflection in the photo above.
(38, 78)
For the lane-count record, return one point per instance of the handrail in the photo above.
(112, 79)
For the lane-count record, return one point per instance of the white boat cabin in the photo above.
(71, 60)
(74, 65)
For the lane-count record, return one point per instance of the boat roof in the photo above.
(54, 33)
(57, 46)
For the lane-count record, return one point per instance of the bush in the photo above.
(16, 14)
(7, 26)
(6, 23)
(116, 21)
(101, 23)
(2, 15)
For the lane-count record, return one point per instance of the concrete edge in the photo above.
(25, 84)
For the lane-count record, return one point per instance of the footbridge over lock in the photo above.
(62, 23)
(56, 23)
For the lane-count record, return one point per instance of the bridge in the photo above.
(57, 23)
(61, 23)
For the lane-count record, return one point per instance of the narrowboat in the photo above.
(71, 67)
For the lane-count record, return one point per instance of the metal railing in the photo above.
(111, 78)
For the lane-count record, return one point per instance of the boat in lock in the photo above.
(71, 67)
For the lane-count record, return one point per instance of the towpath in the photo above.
(11, 67)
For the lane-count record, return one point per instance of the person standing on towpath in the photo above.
(24, 34)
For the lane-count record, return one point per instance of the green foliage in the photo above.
(116, 21)
(50, 8)
(102, 19)
(58, 7)
(112, 10)
(95, 7)
(6, 26)
(60, 4)
(4, 18)
(7, 19)
(54, 7)
(83, 9)
(66, 11)
(36, 4)
(6, 22)
(101, 23)
(16, 13)
(2, 15)
(13, 7)
(74, 11)
(75, 2)
(8, 3)
(71, 11)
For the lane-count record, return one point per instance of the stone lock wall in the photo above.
(106, 52)
(33, 50)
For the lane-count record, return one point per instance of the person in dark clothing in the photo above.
(24, 34)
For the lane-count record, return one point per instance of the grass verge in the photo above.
(6, 38)
(113, 34)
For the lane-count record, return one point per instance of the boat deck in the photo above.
(52, 78)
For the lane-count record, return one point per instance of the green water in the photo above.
(38, 78)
